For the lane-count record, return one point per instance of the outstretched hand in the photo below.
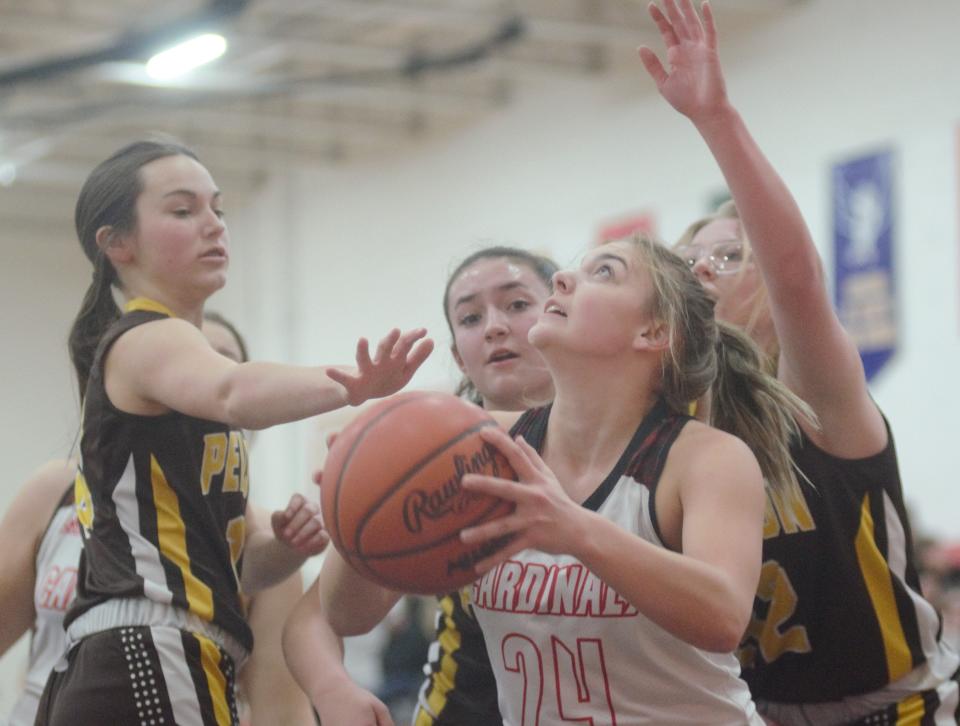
(300, 526)
(694, 83)
(390, 369)
(545, 517)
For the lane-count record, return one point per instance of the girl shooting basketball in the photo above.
(638, 560)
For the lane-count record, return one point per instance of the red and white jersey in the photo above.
(56, 583)
(566, 648)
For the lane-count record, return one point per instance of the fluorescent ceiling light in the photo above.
(186, 56)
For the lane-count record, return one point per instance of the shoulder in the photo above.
(38, 497)
(158, 345)
(160, 331)
(48, 483)
(703, 453)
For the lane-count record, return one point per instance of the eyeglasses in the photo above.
(725, 256)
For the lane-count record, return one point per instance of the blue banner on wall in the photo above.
(864, 281)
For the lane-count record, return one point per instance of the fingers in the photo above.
(501, 527)
(420, 354)
(533, 455)
(386, 348)
(692, 19)
(406, 341)
(318, 477)
(679, 23)
(653, 65)
(494, 486)
(331, 437)
(402, 351)
(298, 512)
(363, 354)
(382, 714)
(709, 24)
(516, 456)
(663, 25)
(278, 521)
(311, 545)
(341, 376)
(301, 526)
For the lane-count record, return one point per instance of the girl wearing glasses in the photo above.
(840, 633)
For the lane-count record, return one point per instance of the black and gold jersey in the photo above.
(839, 610)
(460, 689)
(161, 502)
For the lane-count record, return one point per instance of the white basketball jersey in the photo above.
(566, 648)
(53, 593)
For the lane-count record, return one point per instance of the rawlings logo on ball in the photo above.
(449, 496)
(393, 498)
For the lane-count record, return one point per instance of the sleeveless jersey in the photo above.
(566, 648)
(56, 580)
(161, 502)
(838, 611)
(460, 689)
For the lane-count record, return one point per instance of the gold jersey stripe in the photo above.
(216, 682)
(172, 539)
(145, 303)
(911, 710)
(83, 502)
(423, 718)
(445, 678)
(879, 584)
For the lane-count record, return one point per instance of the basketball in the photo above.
(391, 497)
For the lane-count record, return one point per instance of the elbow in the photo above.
(805, 276)
(723, 641)
(346, 625)
(725, 632)
(237, 405)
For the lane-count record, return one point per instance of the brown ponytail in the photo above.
(756, 407)
(97, 311)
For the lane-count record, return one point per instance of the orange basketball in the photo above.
(392, 498)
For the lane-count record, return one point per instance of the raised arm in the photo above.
(21, 531)
(818, 360)
(169, 364)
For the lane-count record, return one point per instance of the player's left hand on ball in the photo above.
(300, 526)
(545, 517)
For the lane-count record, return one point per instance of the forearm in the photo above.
(267, 561)
(354, 604)
(16, 604)
(313, 651)
(259, 395)
(688, 598)
(272, 694)
(779, 236)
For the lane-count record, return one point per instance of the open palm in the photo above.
(694, 83)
